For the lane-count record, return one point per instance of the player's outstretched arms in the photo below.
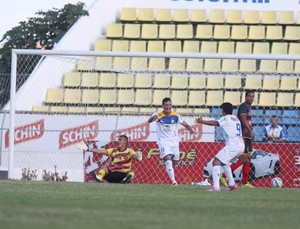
(152, 118)
(209, 122)
(98, 151)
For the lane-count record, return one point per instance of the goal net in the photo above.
(65, 97)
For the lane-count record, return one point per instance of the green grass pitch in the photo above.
(25, 204)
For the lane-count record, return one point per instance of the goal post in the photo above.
(75, 95)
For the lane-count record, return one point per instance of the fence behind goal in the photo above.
(72, 96)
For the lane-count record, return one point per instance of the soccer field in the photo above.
(84, 205)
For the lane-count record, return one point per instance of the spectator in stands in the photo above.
(231, 126)
(273, 132)
(119, 169)
(167, 136)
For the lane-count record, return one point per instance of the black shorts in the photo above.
(115, 177)
(248, 145)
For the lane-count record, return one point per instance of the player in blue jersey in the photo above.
(167, 135)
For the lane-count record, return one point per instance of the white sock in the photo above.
(216, 176)
(170, 170)
(229, 176)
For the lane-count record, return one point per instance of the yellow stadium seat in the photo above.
(173, 46)
(90, 96)
(130, 109)
(114, 31)
(267, 99)
(125, 96)
(121, 63)
(94, 109)
(204, 31)
(253, 82)
(215, 82)
(128, 14)
(155, 46)
(184, 110)
(194, 65)
(184, 32)
(120, 46)
(226, 47)
(162, 81)
(297, 100)
(243, 47)
(54, 95)
(125, 80)
(230, 65)
(209, 47)
(221, 32)
(108, 96)
(143, 81)
(181, 15)
(72, 96)
(269, 17)
(196, 98)
(149, 31)
(103, 45)
(261, 48)
(239, 32)
(198, 16)
(294, 49)
(247, 65)
(297, 68)
(76, 109)
(217, 16)
(197, 82)
(132, 31)
(40, 108)
(274, 32)
(267, 66)
(107, 80)
(148, 110)
(279, 48)
(214, 98)
(112, 110)
(159, 95)
(212, 65)
(59, 109)
(234, 17)
(89, 79)
(139, 64)
(286, 66)
(143, 97)
(288, 83)
(104, 63)
(72, 79)
(167, 31)
(86, 63)
(156, 64)
(202, 111)
(179, 82)
(137, 46)
(298, 18)
(285, 99)
(191, 46)
(146, 15)
(252, 17)
(292, 33)
(233, 82)
(179, 97)
(177, 64)
(257, 32)
(286, 18)
(163, 15)
(233, 97)
(270, 82)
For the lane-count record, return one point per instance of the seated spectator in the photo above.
(273, 132)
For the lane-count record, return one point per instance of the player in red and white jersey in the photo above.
(167, 123)
(234, 147)
(119, 169)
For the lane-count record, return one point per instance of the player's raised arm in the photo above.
(98, 151)
(152, 118)
(188, 127)
(208, 122)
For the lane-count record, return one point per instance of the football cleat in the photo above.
(97, 178)
(223, 180)
(248, 185)
(126, 180)
(174, 185)
(213, 189)
(231, 188)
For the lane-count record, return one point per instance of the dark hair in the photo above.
(248, 92)
(124, 136)
(274, 116)
(167, 99)
(227, 108)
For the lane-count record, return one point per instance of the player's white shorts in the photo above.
(230, 154)
(166, 149)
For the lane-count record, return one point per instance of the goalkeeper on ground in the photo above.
(119, 169)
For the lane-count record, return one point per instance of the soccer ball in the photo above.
(276, 182)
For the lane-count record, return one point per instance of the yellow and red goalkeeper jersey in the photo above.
(120, 161)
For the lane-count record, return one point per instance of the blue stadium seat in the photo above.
(258, 132)
(216, 113)
(290, 117)
(293, 134)
(219, 134)
(255, 119)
